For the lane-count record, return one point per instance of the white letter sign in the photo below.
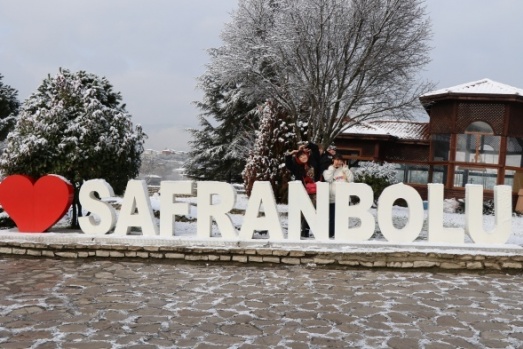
(300, 203)
(436, 231)
(207, 210)
(104, 211)
(216, 200)
(168, 190)
(261, 194)
(136, 210)
(411, 231)
(361, 211)
(474, 214)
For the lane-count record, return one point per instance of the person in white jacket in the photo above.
(337, 172)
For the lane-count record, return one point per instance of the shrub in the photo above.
(377, 176)
(5, 221)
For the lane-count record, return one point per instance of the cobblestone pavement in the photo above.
(85, 303)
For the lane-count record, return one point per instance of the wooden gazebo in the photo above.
(474, 135)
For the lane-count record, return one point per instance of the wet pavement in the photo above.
(87, 303)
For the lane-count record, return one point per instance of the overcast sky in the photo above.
(152, 51)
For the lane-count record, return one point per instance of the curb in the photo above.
(371, 254)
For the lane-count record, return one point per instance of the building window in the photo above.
(414, 174)
(514, 152)
(484, 176)
(440, 147)
(478, 144)
(439, 174)
(352, 156)
(400, 173)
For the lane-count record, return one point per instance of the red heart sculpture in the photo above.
(35, 206)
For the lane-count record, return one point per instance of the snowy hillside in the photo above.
(164, 164)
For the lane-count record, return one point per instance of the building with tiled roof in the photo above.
(401, 129)
(474, 135)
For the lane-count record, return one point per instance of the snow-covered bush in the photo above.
(451, 205)
(458, 206)
(5, 221)
(75, 126)
(488, 207)
(377, 176)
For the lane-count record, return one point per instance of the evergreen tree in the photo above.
(9, 106)
(75, 126)
(227, 125)
(229, 119)
(266, 160)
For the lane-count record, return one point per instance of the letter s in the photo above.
(98, 208)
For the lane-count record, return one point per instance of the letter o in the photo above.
(413, 228)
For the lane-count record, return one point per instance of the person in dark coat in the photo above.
(303, 163)
(327, 157)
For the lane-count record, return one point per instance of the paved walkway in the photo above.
(86, 303)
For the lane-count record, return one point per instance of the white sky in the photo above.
(152, 51)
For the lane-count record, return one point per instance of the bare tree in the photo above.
(329, 63)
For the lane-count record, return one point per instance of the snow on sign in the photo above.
(136, 211)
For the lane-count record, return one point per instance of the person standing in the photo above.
(303, 163)
(338, 171)
(326, 157)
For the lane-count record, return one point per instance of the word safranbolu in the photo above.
(136, 211)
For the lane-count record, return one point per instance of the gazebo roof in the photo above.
(484, 86)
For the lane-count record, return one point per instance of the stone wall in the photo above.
(406, 259)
